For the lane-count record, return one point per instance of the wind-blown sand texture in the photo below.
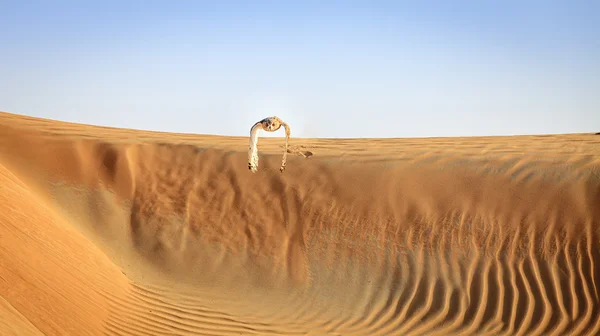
(108, 231)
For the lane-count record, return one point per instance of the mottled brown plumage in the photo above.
(270, 124)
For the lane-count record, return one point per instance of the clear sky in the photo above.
(328, 68)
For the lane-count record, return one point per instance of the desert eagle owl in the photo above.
(270, 124)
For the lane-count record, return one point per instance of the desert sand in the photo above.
(107, 231)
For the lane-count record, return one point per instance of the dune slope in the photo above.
(125, 232)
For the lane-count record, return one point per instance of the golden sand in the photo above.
(107, 231)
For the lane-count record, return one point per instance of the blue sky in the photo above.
(328, 68)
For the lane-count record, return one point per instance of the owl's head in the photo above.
(271, 124)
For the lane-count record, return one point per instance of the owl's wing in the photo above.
(253, 147)
(287, 140)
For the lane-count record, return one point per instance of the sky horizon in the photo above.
(331, 70)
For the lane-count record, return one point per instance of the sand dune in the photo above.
(108, 231)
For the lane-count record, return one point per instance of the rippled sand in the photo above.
(109, 231)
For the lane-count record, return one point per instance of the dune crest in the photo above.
(136, 232)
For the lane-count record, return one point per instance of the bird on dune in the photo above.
(269, 124)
